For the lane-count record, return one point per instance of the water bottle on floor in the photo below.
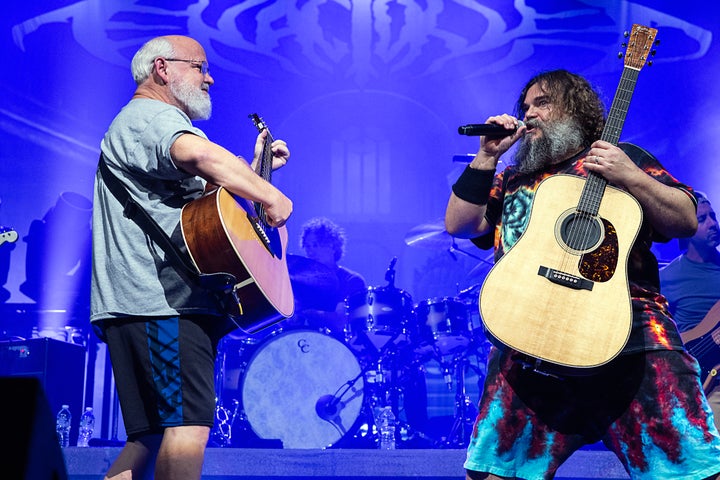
(87, 426)
(62, 425)
(386, 426)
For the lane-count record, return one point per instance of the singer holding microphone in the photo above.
(646, 404)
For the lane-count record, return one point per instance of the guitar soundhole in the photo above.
(580, 232)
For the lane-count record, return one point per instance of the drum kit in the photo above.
(300, 387)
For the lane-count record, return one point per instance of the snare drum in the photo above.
(444, 325)
(380, 313)
(304, 388)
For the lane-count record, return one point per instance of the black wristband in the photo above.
(474, 185)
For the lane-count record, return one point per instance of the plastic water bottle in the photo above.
(87, 425)
(386, 425)
(62, 425)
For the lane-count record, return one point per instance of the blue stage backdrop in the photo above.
(367, 93)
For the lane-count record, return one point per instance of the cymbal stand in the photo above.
(221, 433)
(390, 390)
(465, 412)
(381, 373)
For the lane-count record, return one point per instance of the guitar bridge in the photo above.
(262, 234)
(565, 279)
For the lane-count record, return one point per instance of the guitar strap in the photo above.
(133, 211)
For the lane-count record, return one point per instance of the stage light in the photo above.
(57, 265)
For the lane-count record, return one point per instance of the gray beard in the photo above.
(197, 105)
(560, 139)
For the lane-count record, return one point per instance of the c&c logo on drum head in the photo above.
(304, 345)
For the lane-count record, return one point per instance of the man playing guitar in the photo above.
(691, 283)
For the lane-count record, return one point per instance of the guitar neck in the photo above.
(264, 167)
(619, 108)
(265, 164)
(639, 44)
(595, 185)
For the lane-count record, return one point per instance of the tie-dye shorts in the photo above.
(647, 408)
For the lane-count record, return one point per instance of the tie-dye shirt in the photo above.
(508, 208)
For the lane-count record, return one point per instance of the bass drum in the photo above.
(304, 388)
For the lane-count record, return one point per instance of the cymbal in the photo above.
(309, 272)
(433, 235)
(470, 294)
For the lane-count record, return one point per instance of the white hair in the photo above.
(142, 62)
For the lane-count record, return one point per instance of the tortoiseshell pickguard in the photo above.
(600, 264)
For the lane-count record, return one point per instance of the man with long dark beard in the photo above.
(162, 329)
(646, 404)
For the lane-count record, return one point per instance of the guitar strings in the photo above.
(703, 346)
(581, 230)
(265, 173)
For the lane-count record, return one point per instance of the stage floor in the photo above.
(249, 463)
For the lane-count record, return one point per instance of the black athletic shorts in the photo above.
(164, 371)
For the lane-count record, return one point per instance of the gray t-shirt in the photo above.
(132, 276)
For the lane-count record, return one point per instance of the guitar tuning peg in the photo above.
(656, 42)
(620, 54)
(650, 63)
(626, 34)
(653, 52)
(624, 44)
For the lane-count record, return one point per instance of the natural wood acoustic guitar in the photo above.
(560, 295)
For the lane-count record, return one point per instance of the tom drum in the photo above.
(381, 314)
(444, 325)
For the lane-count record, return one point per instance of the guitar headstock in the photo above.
(639, 46)
(259, 122)
(8, 235)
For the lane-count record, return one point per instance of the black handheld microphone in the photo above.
(488, 130)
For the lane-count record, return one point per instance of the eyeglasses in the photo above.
(202, 66)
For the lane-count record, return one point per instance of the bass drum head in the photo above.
(289, 386)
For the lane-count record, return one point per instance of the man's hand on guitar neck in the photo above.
(279, 149)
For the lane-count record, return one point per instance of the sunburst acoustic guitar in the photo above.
(703, 342)
(225, 233)
(560, 295)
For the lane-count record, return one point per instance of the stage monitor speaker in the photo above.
(30, 447)
(59, 366)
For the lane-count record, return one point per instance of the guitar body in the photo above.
(222, 235)
(559, 302)
(703, 341)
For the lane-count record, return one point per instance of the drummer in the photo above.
(320, 306)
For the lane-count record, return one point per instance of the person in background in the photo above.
(324, 242)
(162, 330)
(691, 284)
(647, 404)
